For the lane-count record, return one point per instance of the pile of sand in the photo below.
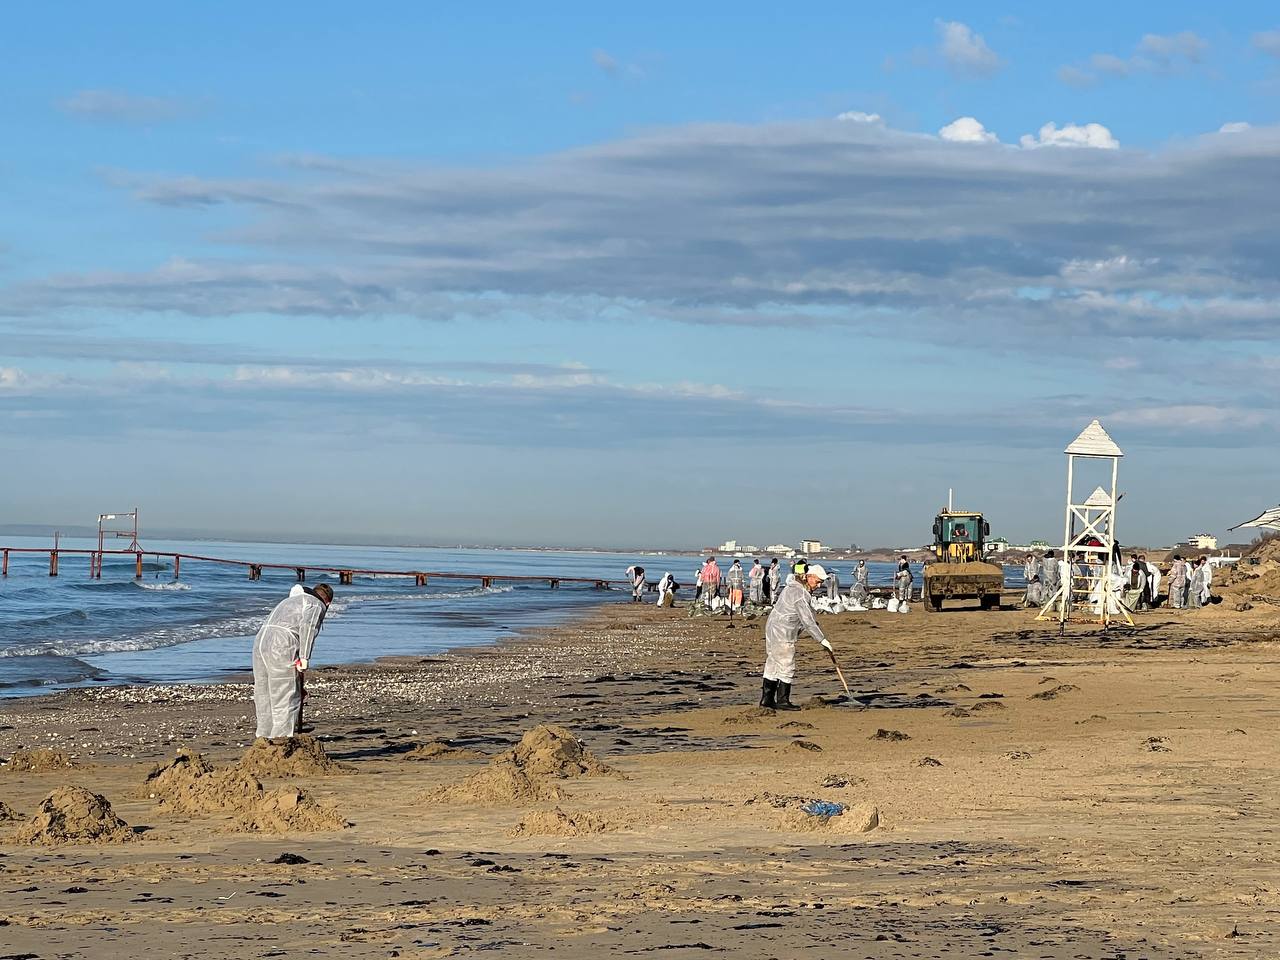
(557, 823)
(286, 809)
(295, 757)
(442, 750)
(190, 784)
(39, 760)
(545, 754)
(552, 751)
(502, 781)
(8, 813)
(862, 818)
(71, 815)
(1250, 579)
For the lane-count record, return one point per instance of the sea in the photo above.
(74, 631)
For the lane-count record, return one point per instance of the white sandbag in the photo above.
(892, 605)
(904, 607)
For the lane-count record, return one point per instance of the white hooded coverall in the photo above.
(285, 640)
(792, 613)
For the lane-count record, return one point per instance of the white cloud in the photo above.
(1267, 41)
(1154, 53)
(967, 130)
(1072, 135)
(857, 116)
(114, 105)
(605, 61)
(1238, 126)
(964, 51)
(1165, 49)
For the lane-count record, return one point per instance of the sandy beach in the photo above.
(1008, 792)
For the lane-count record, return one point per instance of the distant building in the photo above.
(810, 546)
(729, 546)
(1203, 541)
(997, 545)
(1039, 544)
(780, 549)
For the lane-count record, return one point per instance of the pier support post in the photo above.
(419, 579)
(137, 566)
(344, 577)
(4, 569)
(53, 563)
(486, 583)
(602, 585)
(554, 583)
(302, 574)
(255, 571)
(177, 567)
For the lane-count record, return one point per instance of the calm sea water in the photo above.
(66, 631)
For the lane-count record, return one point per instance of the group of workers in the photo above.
(1136, 583)
(760, 584)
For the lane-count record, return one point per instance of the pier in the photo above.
(300, 572)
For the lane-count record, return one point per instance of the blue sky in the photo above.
(656, 277)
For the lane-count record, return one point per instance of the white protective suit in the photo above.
(280, 653)
(902, 581)
(755, 583)
(664, 588)
(792, 613)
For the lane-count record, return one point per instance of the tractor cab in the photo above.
(959, 537)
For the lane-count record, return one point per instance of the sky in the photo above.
(657, 276)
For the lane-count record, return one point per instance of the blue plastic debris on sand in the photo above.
(823, 808)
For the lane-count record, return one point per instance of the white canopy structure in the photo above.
(1268, 519)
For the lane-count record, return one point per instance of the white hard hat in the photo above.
(816, 570)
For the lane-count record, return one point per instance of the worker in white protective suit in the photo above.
(902, 580)
(755, 583)
(792, 614)
(667, 590)
(281, 652)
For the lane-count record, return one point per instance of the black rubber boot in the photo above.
(784, 697)
(768, 693)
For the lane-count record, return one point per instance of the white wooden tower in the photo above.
(1087, 589)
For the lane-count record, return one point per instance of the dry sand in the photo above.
(610, 788)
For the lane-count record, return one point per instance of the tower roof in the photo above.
(1094, 442)
(1099, 497)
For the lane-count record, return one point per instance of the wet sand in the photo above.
(1085, 796)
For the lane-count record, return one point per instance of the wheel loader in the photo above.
(957, 570)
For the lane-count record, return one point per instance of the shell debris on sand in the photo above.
(301, 756)
(8, 813)
(74, 815)
(527, 773)
(38, 760)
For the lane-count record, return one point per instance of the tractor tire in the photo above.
(991, 601)
(932, 604)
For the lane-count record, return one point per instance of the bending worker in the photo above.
(792, 613)
(281, 651)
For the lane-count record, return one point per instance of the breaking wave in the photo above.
(153, 639)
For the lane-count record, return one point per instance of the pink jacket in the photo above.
(710, 572)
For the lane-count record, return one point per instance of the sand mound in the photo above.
(295, 757)
(1053, 693)
(39, 760)
(190, 784)
(503, 781)
(74, 814)
(557, 823)
(8, 813)
(802, 746)
(552, 751)
(986, 706)
(890, 736)
(861, 818)
(442, 750)
(286, 809)
(545, 753)
(1258, 575)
